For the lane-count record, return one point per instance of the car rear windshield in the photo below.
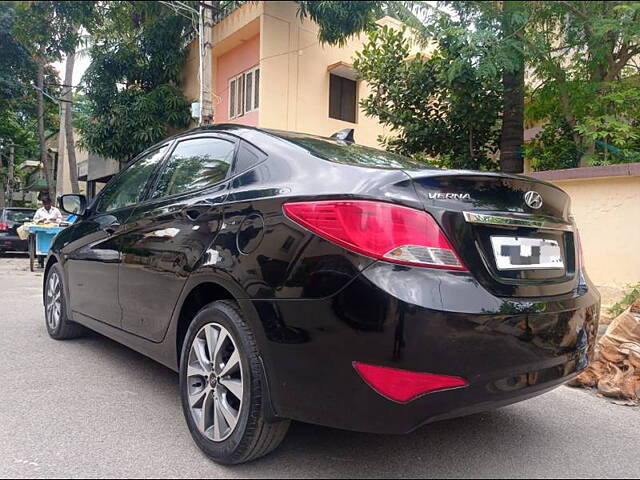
(349, 153)
(19, 215)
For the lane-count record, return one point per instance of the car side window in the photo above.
(127, 189)
(195, 164)
(248, 157)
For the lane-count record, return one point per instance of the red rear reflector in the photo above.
(379, 230)
(403, 386)
(3, 226)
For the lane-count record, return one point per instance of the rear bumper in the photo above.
(424, 321)
(12, 243)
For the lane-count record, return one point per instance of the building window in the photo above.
(343, 96)
(243, 93)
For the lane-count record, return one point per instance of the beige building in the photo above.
(270, 71)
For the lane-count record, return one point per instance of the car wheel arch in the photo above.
(202, 290)
(205, 292)
(198, 297)
(51, 261)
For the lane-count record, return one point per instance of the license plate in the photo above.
(525, 253)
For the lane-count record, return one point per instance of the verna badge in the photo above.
(449, 196)
(533, 199)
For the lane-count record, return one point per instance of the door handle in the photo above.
(111, 228)
(193, 212)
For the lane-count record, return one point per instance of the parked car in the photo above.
(10, 220)
(293, 277)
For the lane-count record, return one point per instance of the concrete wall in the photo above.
(605, 202)
(190, 77)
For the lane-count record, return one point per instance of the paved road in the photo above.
(92, 408)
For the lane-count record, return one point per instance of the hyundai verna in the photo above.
(292, 277)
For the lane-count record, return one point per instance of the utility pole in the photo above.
(205, 15)
(206, 43)
(62, 108)
(44, 155)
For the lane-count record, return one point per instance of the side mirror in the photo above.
(73, 204)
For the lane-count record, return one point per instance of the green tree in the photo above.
(582, 55)
(16, 65)
(16, 70)
(438, 107)
(132, 83)
(338, 21)
(48, 29)
(512, 19)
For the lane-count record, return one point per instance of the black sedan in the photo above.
(293, 277)
(10, 220)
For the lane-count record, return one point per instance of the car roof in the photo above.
(299, 141)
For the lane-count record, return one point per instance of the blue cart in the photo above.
(40, 239)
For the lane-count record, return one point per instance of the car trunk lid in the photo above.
(498, 235)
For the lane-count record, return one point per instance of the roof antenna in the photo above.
(345, 135)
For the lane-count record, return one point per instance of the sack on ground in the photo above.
(616, 371)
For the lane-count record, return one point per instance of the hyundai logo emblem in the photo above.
(533, 199)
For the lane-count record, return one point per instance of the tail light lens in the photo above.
(3, 227)
(379, 230)
(404, 386)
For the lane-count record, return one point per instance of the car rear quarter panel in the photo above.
(271, 256)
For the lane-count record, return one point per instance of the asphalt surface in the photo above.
(93, 408)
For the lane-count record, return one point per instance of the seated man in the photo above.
(48, 213)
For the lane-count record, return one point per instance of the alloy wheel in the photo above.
(214, 382)
(53, 303)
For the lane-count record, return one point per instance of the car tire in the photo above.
(209, 406)
(57, 322)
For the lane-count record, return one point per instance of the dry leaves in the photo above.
(616, 372)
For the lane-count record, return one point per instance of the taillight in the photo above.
(3, 227)
(379, 230)
(402, 385)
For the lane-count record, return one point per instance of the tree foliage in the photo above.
(338, 21)
(132, 92)
(16, 65)
(17, 97)
(583, 56)
(48, 30)
(477, 57)
(580, 59)
(437, 107)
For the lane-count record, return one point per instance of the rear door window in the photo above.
(195, 164)
(129, 187)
